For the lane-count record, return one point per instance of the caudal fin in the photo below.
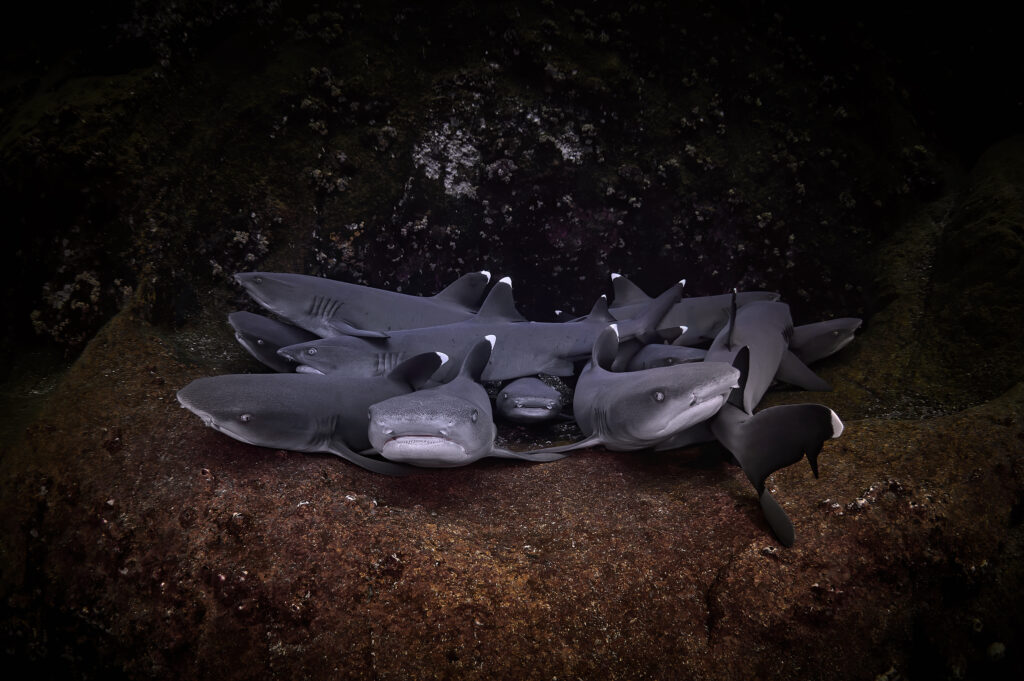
(772, 439)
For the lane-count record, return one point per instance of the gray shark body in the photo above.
(263, 337)
(304, 412)
(327, 307)
(523, 348)
(813, 342)
(529, 400)
(703, 316)
(763, 329)
(445, 426)
(627, 411)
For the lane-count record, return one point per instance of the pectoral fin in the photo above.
(535, 456)
(344, 329)
(339, 448)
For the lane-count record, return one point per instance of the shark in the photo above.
(327, 307)
(756, 341)
(262, 337)
(445, 426)
(699, 318)
(524, 348)
(529, 400)
(305, 412)
(629, 411)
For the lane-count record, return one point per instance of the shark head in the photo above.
(277, 292)
(242, 407)
(528, 400)
(811, 342)
(430, 429)
(349, 354)
(637, 409)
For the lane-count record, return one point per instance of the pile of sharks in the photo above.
(393, 382)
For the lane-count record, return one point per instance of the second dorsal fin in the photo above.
(499, 304)
(600, 313)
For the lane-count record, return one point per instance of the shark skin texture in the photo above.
(445, 426)
(523, 348)
(304, 412)
(327, 307)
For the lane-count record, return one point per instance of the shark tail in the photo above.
(772, 439)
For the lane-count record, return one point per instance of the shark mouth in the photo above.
(420, 447)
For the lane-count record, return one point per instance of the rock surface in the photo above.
(136, 543)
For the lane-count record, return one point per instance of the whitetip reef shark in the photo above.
(523, 348)
(305, 412)
(328, 307)
(445, 426)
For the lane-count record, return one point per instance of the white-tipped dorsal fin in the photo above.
(444, 357)
(837, 425)
(615, 328)
(499, 304)
(486, 274)
(682, 282)
(615, 275)
(491, 338)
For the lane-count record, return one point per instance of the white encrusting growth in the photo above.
(837, 425)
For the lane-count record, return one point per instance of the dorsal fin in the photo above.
(605, 348)
(627, 293)
(476, 359)
(466, 290)
(418, 369)
(732, 321)
(646, 325)
(600, 313)
(499, 303)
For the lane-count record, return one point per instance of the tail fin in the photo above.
(417, 370)
(467, 290)
(772, 439)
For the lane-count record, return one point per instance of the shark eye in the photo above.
(658, 396)
(504, 396)
(670, 360)
(245, 418)
(693, 399)
(473, 416)
(259, 341)
(311, 351)
(258, 280)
